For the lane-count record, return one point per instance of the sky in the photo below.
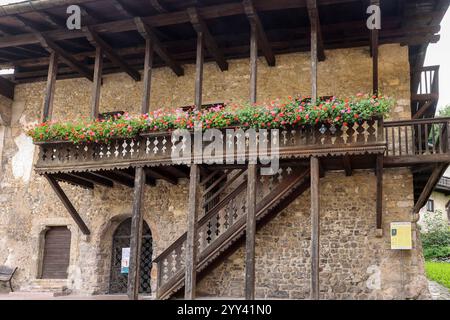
(437, 54)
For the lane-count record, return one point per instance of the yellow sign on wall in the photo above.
(401, 236)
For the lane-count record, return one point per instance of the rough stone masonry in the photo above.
(355, 264)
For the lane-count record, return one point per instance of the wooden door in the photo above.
(56, 257)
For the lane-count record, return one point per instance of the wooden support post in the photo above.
(250, 234)
(136, 235)
(375, 62)
(315, 228)
(374, 48)
(192, 234)
(194, 192)
(199, 71)
(253, 62)
(379, 172)
(50, 89)
(97, 83)
(148, 66)
(314, 59)
(67, 204)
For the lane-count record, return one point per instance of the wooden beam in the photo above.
(50, 89)
(199, 70)
(200, 26)
(156, 174)
(113, 176)
(158, 6)
(95, 179)
(75, 180)
(423, 109)
(165, 19)
(67, 204)
(97, 41)
(137, 225)
(313, 13)
(254, 19)
(148, 66)
(123, 8)
(347, 166)
(379, 173)
(51, 46)
(314, 60)
(374, 51)
(315, 228)
(438, 171)
(192, 234)
(253, 63)
(250, 233)
(147, 32)
(97, 83)
(7, 88)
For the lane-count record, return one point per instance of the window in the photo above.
(430, 205)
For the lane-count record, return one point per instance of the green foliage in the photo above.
(445, 112)
(439, 272)
(436, 238)
(286, 113)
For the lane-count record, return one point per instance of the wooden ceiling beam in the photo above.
(50, 46)
(160, 20)
(147, 32)
(313, 13)
(94, 179)
(123, 8)
(157, 174)
(115, 177)
(7, 88)
(158, 6)
(263, 42)
(96, 40)
(187, 57)
(385, 33)
(52, 20)
(200, 26)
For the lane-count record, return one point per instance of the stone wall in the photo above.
(349, 246)
(354, 263)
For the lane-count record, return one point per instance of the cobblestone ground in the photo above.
(438, 292)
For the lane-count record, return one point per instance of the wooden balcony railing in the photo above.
(424, 140)
(156, 149)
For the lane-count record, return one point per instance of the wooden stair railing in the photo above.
(225, 224)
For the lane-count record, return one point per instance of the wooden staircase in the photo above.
(225, 223)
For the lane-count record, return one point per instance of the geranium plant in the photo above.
(281, 113)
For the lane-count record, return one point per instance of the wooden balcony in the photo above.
(154, 150)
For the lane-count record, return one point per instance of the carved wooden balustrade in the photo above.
(225, 223)
(156, 149)
(426, 139)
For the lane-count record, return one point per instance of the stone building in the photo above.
(81, 252)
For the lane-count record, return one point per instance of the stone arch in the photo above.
(104, 252)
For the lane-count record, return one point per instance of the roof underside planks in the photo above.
(286, 24)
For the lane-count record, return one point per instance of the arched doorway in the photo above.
(121, 239)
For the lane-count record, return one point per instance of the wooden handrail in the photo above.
(415, 122)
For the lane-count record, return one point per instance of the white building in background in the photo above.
(439, 202)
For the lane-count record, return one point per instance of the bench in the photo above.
(6, 275)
